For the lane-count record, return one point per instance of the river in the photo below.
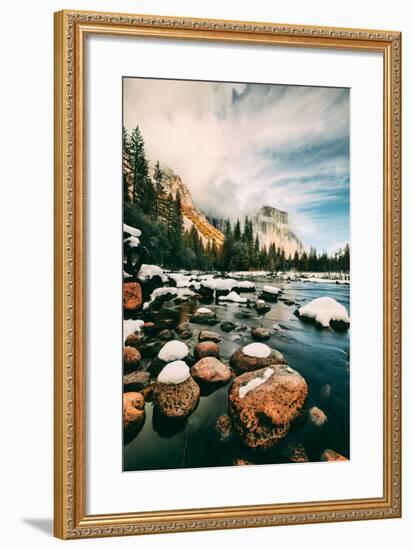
(320, 355)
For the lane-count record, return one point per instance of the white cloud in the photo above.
(237, 146)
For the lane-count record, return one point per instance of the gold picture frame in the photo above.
(71, 520)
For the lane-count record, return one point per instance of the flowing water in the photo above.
(320, 355)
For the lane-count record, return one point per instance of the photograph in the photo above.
(236, 274)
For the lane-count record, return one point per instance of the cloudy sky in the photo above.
(239, 146)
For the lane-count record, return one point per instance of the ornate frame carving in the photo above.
(71, 520)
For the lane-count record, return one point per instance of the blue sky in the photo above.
(239, 146)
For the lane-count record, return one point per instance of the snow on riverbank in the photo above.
(324, 310)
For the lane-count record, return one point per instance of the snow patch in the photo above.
(173, 351)
(133, 231)
(257, 350)
(271, 289)
(255, 383)
(148, 271)
(204, 310)
(130, 326)
(324, 310)
(132, 242)
(232, 297)
(175, 372)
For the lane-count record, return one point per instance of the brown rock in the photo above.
(209, 335)
(131, 357)
(165, 334)
(136, 381)
(133, 410)
(241, 362)
(224, 426)
(211, 370)
(176, 400)
(242, 462)
(147, 393)
(265, 414)
(261, 307)
(134, 339)
(296, 453)
(206, 349)
(329, 455)
(184, 331)
(317, 416)
(132, 296)
(260, 334)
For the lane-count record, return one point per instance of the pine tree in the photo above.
(159, 191)
(237, 234)
(126, 167)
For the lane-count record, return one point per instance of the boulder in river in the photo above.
(227, 326)
(205, 316)
(206, 349)
(270, 293)
(325, 312)
(133, 411)
(210, 370)
(255, 356)
(134, 339)
(260, 334)
(131, 357)
(175, 393)
(242, 462)
(184, 331)
(136, 381)
(265, 403)
(224, 427)
(166, 317)
(165, 334)
(330, 455)
(261, 307)
(296, 453)
(317, 416)
(209, 335)
(132, 296)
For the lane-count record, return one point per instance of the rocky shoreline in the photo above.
(172, 357)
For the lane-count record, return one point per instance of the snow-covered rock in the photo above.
(203, 310)
(269, 289)
(130, 326)
(255, 382)
(232, 297)
(133, 231)
(325, 310)
(225, 284)
(275, 400)
(246, 285)
(173, 351)
(132, 242)
(254, 357)
(148, 271)
(175, 372)
(257, 350)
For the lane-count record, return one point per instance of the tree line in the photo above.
(149, 206)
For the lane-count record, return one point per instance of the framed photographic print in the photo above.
(227, 274)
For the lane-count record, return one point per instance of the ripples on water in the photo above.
(320, 355)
